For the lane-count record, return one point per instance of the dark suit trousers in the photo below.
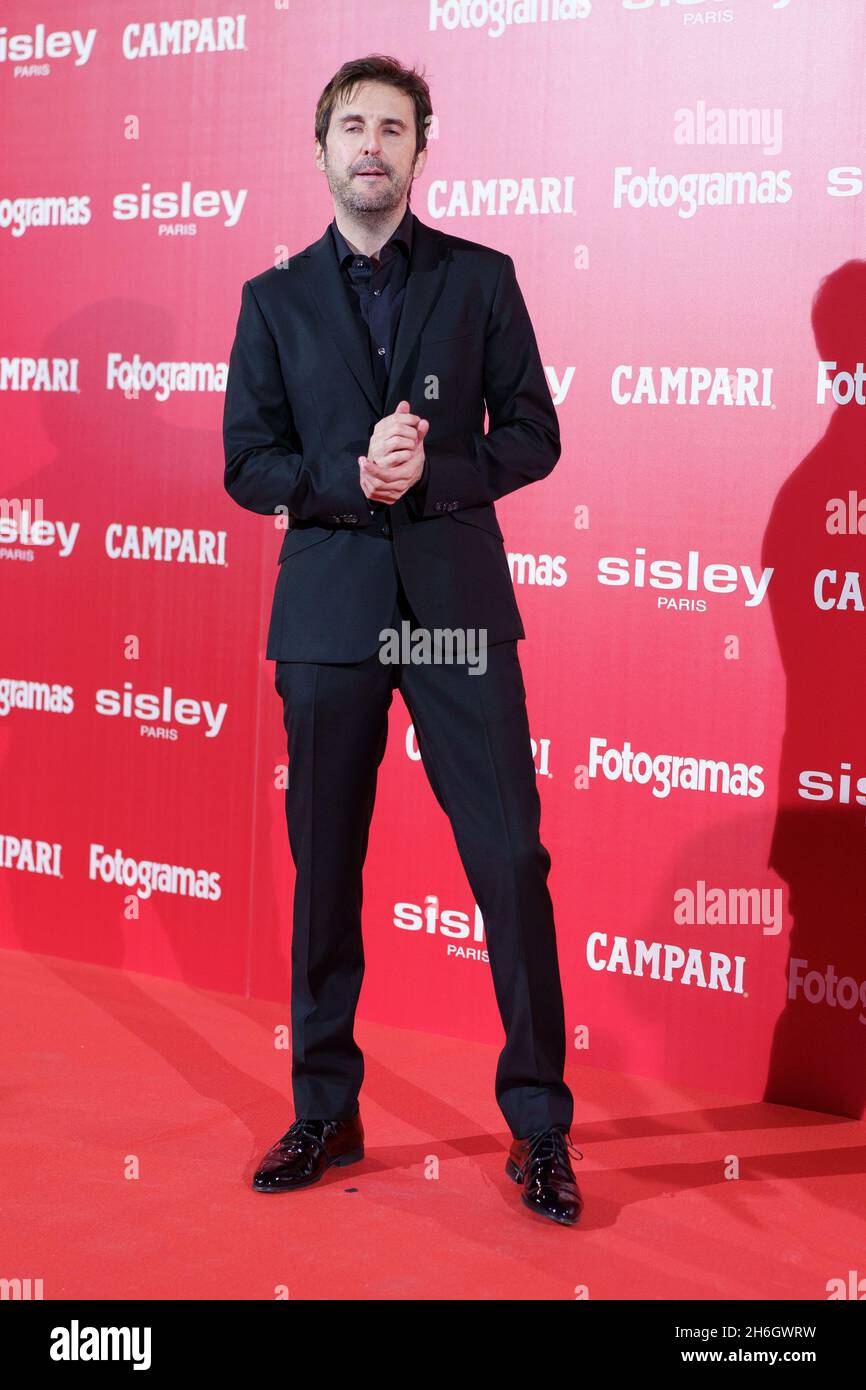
(473, 736)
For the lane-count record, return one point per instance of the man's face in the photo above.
(369, 158)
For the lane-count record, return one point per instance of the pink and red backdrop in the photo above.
(595, 143)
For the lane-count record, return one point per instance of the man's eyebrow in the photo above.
(356, 116)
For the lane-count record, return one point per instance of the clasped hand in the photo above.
(395, 459)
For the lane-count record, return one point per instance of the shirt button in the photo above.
(381, 352)
(377, 291)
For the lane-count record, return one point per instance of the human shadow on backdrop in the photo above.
(816, 543)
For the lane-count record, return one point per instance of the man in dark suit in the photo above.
(391, 521)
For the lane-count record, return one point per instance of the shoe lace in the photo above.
(298, 1131)
(554, 1144)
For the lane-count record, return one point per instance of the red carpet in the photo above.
(103, 1069)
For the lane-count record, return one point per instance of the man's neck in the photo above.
(366, 236)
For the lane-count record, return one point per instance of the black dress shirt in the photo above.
(376, 293)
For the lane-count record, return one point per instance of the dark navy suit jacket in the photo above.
(301, 404)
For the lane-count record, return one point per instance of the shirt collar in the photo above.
(401, 236)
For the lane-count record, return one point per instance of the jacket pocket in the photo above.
(457, 336)
(301, 538)
(483, 517)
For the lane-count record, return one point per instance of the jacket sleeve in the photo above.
(522, 443)
(265, 467)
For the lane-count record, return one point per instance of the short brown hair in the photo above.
(376, 67)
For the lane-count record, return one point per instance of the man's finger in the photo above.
(402, 447)
(398, 466)
(382, 466)
(380, 447)
(395, 420)
(398, 430)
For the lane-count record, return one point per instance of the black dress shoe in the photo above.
(306, 1150)
(541, 1163)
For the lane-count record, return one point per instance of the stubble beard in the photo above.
(373, 208)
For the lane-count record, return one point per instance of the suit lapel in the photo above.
(327, 291)
(427, 269)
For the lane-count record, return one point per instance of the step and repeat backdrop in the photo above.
(681, 186)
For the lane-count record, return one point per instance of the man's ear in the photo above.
(320, 156)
